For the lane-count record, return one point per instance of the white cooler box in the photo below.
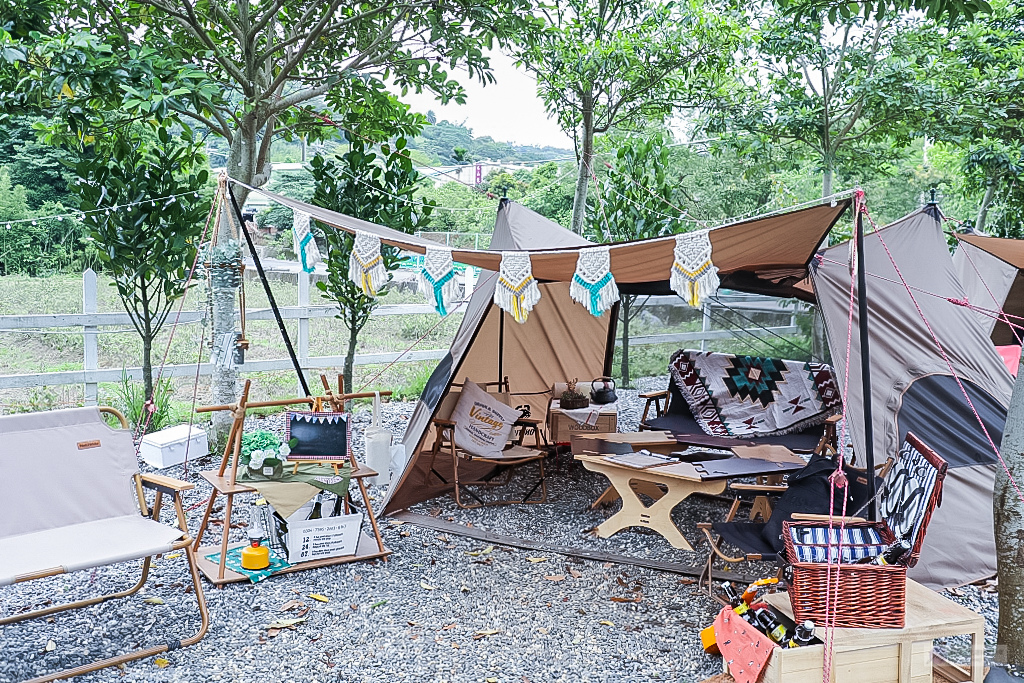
(167, 447)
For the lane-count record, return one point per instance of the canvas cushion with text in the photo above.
(748, 396)
(482, 422)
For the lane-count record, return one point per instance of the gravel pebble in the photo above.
(432, 612)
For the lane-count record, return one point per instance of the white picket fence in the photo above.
(90, 321)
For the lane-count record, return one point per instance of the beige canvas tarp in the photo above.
(990, 270)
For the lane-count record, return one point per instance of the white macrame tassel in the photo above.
(366, 266)
(694, 276)
(593, 284)
(437, 278)
(303, 242)
(516, 291)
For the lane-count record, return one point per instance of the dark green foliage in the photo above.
(374, 187)
(44, 170)
(147, 248)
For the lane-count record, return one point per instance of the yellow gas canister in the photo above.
(707, 639)
(255, 556)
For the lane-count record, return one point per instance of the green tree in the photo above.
(376, 188)
(639, 200)
(148, 236)
(844, 95)
(604, 65)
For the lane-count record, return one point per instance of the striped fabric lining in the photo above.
(812, 544)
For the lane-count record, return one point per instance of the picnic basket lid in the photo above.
(911, 491)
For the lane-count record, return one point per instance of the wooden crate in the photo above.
(562, 428)
(891, 655)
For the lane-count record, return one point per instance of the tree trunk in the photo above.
(1009, 529)
(242, 161)
(819, 347)
(826, 182)
(350, 357)
(986, 201)
(147, 368)
(625, 311)
(579, 200)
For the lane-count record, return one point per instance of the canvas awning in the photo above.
(990, 270)
(767, 254)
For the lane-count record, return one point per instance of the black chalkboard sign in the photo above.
(319, 436)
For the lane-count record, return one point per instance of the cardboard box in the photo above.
(561, 427)
(167, 447)
(317, 539)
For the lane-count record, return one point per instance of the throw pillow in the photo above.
(482, 422)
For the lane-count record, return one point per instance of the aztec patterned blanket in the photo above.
(744, 396)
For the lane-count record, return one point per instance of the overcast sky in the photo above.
(508, 110)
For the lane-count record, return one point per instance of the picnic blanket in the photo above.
(749, 396)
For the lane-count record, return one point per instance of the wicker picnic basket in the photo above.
(867, 595)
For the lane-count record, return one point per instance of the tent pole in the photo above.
(501, 344)
(865, 366)
(270, 294)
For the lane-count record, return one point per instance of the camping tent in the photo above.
(771, 255)
(990, 270)
(560, 339)
(911, 384)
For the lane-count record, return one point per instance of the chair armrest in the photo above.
(654, 394)
(530, 421)
(807, 517)
(759, 488)
(833, 419)
(441, 422)
(158, 482)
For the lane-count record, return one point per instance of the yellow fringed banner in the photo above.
(516, 291)
(694, 277)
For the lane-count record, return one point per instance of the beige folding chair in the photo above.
(71, 498)
(502, 466)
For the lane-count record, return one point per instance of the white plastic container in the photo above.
(378, 446)
(167, 447)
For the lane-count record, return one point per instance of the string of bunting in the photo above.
(79, 215)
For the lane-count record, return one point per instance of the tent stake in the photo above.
(270, 294)
(865, 366)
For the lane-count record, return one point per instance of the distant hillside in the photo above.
(448, 143)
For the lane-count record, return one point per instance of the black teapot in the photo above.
(602, 391)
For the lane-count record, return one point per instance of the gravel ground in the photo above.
(442, 608)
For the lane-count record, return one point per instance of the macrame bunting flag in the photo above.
(365, 265)
(437, 278)
(593, 284)
(516, 290)
(694, 276)
(303, 242)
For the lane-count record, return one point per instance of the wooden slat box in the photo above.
(864, 655)
(562, 427)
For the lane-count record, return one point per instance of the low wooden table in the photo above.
(886, 655)
(681, 480)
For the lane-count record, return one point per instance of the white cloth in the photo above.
(694, 277)
(588, 416)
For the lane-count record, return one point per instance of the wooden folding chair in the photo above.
(502, 466)
(72, 499)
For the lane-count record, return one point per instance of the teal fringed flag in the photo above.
(437, 278)
(593, 284)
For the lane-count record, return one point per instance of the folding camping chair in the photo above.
(750, 536)
(72, 499)
(504, 464)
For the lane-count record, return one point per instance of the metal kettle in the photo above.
(602, 391)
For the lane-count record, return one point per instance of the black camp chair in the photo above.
(806, 498)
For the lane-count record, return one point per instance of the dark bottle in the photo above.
(738, 606)
(771, 625)
(802, 635)
(338, 500)
(317, 512)
(893, 554)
